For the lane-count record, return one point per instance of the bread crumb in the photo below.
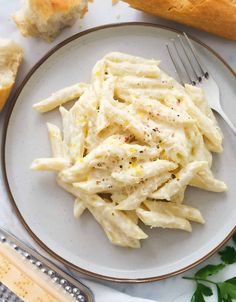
(114, 2)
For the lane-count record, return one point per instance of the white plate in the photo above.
(47, 211)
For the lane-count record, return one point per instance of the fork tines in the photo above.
(186, 61)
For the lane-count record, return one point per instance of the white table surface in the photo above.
(102, 12)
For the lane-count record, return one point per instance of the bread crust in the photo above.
(15, 55)
(214, 16)
(48, 8)
(4, 94)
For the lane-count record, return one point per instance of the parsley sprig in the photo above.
(226, 290)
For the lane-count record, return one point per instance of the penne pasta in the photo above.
(79, 207)
(57, 145)
(142, 70)
(206, 181)
(134, 200)
(61, 97)
(162, 112)
(94, 186)
(205, 125)
(179, 210)
(134, 175)
(179, 181)
(50, 164)
(161, 220)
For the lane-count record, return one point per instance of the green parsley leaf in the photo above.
(227, 290)
(228, 255)
(228, 300)
(234, 238)
(197, 296)
(232, 280)
(209, 270)
(200, 292)
(206, 291)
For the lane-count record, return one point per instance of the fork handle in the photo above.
(228, 121)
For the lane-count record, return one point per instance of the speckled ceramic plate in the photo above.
(47, 211)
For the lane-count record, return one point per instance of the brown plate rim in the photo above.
(4, 135)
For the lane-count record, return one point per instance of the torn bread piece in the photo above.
(11, 55)
(46, 19)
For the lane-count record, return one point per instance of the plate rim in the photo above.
(8, 113)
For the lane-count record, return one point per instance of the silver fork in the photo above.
(189, 66)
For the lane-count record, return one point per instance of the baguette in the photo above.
(214, 16)
(46, 18)
(10, 58)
